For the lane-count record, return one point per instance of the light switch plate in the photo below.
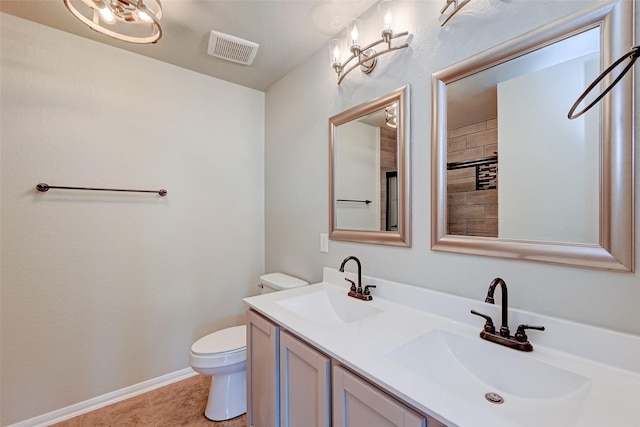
(324, 242)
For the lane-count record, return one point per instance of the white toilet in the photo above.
(223, 354)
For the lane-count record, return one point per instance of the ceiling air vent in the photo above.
(232, 48)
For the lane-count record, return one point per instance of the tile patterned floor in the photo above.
(178, 404)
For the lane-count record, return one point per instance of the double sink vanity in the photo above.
(414, 357)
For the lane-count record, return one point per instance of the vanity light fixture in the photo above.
(134, 21)
(391, 116)
(366, 56)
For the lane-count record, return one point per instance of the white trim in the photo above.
(105, 400)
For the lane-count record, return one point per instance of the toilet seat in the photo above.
(221, 348)
(224, 341)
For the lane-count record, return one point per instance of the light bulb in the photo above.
(107, 15)
(334, 53)
(142, 16)
(387, 20)
(353, 34)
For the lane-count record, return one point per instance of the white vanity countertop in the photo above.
(398, 348)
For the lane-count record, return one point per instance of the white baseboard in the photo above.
(104, 400)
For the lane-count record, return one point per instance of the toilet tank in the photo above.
(273, 282)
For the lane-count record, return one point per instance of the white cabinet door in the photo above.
(356, 403)
(262, 372)
(304, 384)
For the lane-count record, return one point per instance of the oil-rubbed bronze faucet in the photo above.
(504, 327)
(520, 340)
(357, 291)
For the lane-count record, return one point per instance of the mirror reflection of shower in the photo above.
(391, 219)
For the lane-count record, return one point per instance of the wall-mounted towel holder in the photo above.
(354, 201)
(46, 187)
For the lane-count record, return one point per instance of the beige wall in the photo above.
(101, 291)
(297, 170)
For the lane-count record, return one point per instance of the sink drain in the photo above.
(494, 398)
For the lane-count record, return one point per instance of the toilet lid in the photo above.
(222, 341)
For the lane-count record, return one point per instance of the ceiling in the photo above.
(288, 32)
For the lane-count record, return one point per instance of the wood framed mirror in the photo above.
(524, 181)
(369, 172)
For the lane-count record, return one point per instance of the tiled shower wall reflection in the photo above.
(471, 212)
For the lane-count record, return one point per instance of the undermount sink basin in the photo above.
(454, 360)
(328, 308)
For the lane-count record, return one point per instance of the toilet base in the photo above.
(227, 396)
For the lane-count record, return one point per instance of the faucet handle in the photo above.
(520, 336)
(488, 326)
(353, 284)
(366, 289)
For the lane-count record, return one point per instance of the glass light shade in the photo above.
(354, 33)
(334, 52)
(385, 9)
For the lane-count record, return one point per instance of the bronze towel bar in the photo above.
(355, 201)
(45, 187)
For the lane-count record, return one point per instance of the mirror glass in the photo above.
(547, 176)
(369, 176)
(512, 175)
